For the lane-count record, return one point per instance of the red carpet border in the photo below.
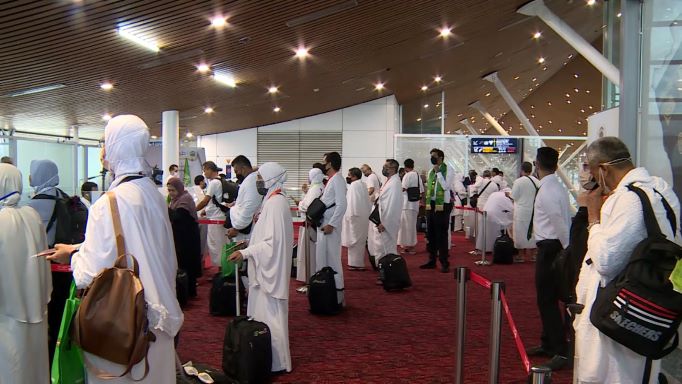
(397, 337)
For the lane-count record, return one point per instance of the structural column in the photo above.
(75, 181)
(539, 9)
(170, 140)
(631, 72)
(480, 108)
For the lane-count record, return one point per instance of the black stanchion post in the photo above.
(495, 330)
(462, 276)
(541, 375)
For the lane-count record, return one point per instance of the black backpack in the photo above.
(393, 273)
(69, 215)
(322, 293)
(639, 308)
(247, 351)
(230, 191)
(503, 250)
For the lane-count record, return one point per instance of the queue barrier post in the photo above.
(541, 375)
(496, 290)
(462, 276)
(483, 260)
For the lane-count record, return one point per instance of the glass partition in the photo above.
(61, 154)
(424, 115)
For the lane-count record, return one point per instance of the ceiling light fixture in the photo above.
(424, 88)
(126, 33)
(575, 75)
(426, 105)
(30, 91)
(445, 32)
(379, 86)
(276, 109)
(537, 35)
(106, 117)
(541, 60)
(208, 110)
(218, 22)
(189, 135)
(516, 77)
(225, 79)
(154, 137)
(619, 14)
(107, 86)
(419, 119)
(302, 53)
(203, 68)
(437, 79)
(272, 90)
(591, 2)
(487, 94)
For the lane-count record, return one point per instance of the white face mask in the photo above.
(602, 179)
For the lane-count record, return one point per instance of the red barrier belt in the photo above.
(60, 268)
(212, 222)
(482, 281)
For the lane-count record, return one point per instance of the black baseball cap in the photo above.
(212, 166)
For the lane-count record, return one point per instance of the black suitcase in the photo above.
(393, 273)
(182, 287)
(247, 349)
(503, 250)
(322, 293)
(222, 298)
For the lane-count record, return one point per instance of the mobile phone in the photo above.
(591, 185)
(47, 252)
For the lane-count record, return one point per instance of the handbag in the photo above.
(374, 216)
(315, 211)
(227, 267)
(473, 200)
(67, 364)
(413, 194)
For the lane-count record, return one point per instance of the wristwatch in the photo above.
(592, 224)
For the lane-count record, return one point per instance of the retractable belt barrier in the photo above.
(499, 300)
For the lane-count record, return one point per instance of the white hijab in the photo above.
(315, 176)
(274, 176)
(126, 140)
(26, 283)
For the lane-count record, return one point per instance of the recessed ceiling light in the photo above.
(379, 86)
(424, 88)
(189, 134)
(580, 123)
(208, 110)
(516, 77)
(568, 101)
(126, 33)
(203, 68)
(272, 90)
(154, 137)
(426, 105)
(487, 94)
(532, 107)
(588, 91)
(437, 79)
(537, 35)
(591, 2)
(218, 22)
(544, 68)
(445, 32)
(619, 14)
(568, 95)
(541, 60)
(419, 119)
(107, 86)
(582, 110)
(276, 109)
(302, 53)
(590, 107)
(575, 75)
(226, 79)
(106, 117)
(576, 90)
(550, 121)
(316, 89)
(549, 103)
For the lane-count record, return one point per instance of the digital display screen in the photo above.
(494, 145)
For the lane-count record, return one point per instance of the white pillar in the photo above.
(470, 127)
(493, 78)
(480, 108)
(170, 140)
(539, 9)
(75, 181)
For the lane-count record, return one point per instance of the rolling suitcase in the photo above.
(503, 250)
(247, 348)
(322, 293)
(393, 273)
(222, 297)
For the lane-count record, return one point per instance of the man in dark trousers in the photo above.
(438, 207)
(551, 220)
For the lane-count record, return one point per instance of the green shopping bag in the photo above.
(226, 266)
(67, 365)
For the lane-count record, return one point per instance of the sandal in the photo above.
(191, 371)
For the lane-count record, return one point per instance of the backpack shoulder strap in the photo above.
(486, 186)
(53, 218)
(534, 185)
(669, 212)
(652, 227)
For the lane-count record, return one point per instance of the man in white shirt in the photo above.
(383, 238)
(247, 203)
(355, 223)
(215, 233)
(498, 177)
(484, 189)
(407, 235)
(460, 194)
(372, 181)
(328, 247)
(523, 193)
(551, 225)
(438, 206)
(86, 193)
(616, 226)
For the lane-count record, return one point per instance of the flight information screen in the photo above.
(494, 145)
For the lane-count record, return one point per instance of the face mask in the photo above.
(240, 178)
(384, 172)
(327, 168)
(602, 182)
(260, 185)
(348, 180)
(434, 160)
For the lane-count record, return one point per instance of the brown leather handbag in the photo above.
(111, 321)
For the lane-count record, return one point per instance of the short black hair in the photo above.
(88, 186)
(198, 179)
(394, 164)
(409, 163)
(334, 158)
(473, 172)
(547, 158)
(496, 171)
(438, 153)
(356, 172)
(6, 160)
(172, 166)
(320, 166)
(527, 167)
(211, 166)
(241, 161)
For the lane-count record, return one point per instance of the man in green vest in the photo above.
(438, 207)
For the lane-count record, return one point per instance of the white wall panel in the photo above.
(365, 118)
(364, 143)
(209, 143)
(330, 121)
(287, 126)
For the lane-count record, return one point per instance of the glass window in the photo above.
(423, 115)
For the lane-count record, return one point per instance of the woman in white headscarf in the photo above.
(269, 255)
(25, 287)
(44, 178)
(316, 179)
(148, 237)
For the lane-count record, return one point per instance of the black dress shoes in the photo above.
(556, 363)
(538, 351)
(428, 265)
(445, 268)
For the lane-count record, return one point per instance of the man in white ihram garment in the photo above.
(148, 237)
(328, 247)
(523, 193)
(372, 181)
(407, 234)
(485, 188)
(500, 210)
(383, 238)
(616, 226)
(25, 287)
(248, 200)
(269, 259)
(215, 233)
(355, 220)
(315, 178)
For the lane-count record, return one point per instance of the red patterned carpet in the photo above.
(403, 337)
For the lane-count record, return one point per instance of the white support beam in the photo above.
(481, 109)
(573, 154)
(467, 124)
(523, 119)
(573, 38)
(170, 140)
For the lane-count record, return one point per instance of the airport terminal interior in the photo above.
(367, 181)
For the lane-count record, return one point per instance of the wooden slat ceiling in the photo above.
(75, 43)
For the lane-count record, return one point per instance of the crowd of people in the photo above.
(164, 235)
